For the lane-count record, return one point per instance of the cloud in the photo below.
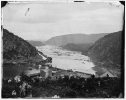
(48, 12)
(44, 21)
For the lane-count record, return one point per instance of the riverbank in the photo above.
(66, 59)
(101, 67)
(63, 87)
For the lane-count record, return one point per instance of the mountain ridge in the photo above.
(77, 47)
(107, 51)
(35, 43)
(16, 48)
(74, 38)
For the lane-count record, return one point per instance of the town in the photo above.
(25, 85)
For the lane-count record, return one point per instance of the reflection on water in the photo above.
(9, 72)
(61, 58)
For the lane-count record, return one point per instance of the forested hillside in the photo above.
(35, 43)
(15, 48)
(74, 38)
(108, 50)
(77, 47)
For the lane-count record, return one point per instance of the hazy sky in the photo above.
(33, 21)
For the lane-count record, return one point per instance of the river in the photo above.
(61, 58)
(12, 71)
(66, 59)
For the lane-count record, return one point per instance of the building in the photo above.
(75, 74)
(42, 73)
(45, 72)
(34, 75)
(17, 78)
(107, 73)
(81, 74)
(48, 64)
(61, 73)
(104, 73)
(54, 75)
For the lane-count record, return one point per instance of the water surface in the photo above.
(61, 58)
(66, 59)
(12, 71)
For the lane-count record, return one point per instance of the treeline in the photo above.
(78, 47)
(35, 43)
(78, 88)
(109, 50)
(65, 87)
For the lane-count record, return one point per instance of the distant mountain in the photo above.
(77, 47)
(35, 43)
(74, 38)
(107, 51)
(15, 48)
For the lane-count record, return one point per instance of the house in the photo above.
(60, 73)
(75, 74)
(81, 74)
(54, 75)
(49, 59)
(107, 73)
(100, 72)
(48, 64)
(45, 72)
(42, 73)
(40, 63)
(17, 78)
(34, 75)
(104, 73)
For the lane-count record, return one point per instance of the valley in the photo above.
(66, 59)
(66, 49)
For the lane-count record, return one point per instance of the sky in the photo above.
(41, 21)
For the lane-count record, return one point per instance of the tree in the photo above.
(24, 77)
(107, 76)
(93, 76)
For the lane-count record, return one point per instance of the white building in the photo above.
(17, 78)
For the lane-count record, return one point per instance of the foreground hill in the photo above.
(74, 38)
(107, 51)
(35, 43)
(15, 48)
(65, 88)
(77, 47)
